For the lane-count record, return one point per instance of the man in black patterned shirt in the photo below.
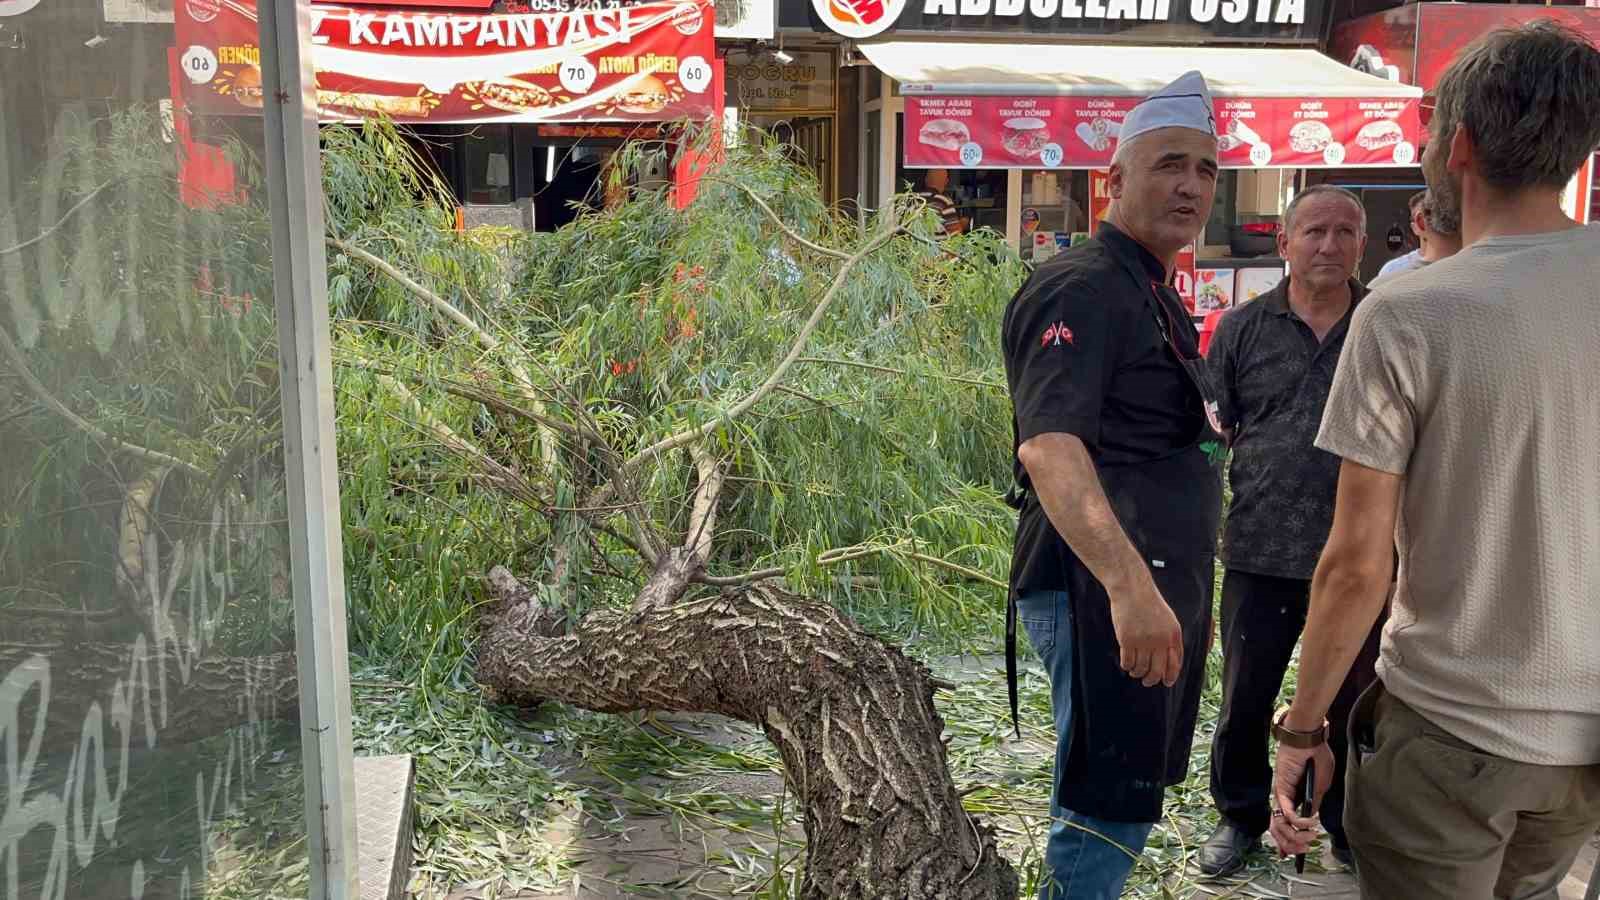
(1272, 362)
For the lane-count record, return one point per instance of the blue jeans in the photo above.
(1085, 858)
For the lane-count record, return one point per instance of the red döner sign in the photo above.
(1081, 132)
(646, 62)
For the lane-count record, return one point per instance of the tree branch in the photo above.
(6, 251)
(850, 363)
(14, 356)
(684, 438)
(793, 235)
(849, 554)
(703, 518)
(508, 480)
(618, 480)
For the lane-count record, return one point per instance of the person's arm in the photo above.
(1065, 481)
(1371, 423)
(1347, 596)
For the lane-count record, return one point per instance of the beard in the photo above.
(1444, 195)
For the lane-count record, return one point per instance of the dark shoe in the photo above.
(1224, 852)
(1343, 856)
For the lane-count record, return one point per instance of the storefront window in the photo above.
(1224, 210)
(149, 693)
(1055, 208)
(489, 165)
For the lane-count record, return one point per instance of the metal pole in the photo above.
(300, 284)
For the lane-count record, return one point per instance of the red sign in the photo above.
(1382, 44)
(606, 132)
(427, 4)
(1420, 40)
(1099, 198)
(1444, 28)
(646, 62)
(1081, 132)
(1183, 277)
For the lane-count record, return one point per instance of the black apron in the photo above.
(1129, 742)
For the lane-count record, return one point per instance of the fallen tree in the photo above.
(692, 421)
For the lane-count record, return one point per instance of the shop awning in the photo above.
(1033, 105)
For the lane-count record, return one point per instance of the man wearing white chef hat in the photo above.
(1119, 494)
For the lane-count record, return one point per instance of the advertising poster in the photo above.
(1255, 281)
(1081, 132)
(1213, 290)
(646, 62)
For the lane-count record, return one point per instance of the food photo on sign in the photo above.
(644, 62)
(1213, 290)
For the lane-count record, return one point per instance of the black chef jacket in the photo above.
(1098, 346)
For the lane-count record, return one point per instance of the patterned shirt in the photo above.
(940, 202)
(1271, 378)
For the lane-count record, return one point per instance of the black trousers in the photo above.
(1262, 618)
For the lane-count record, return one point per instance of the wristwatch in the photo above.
(1300, 740)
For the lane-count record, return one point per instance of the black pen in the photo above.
(1308, 793)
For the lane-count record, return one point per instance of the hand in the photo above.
(1292, 833)
(1147, 633)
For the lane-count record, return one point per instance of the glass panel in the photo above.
(1224, 211)
(978, 194)
(489, 164)
(1055, 205)
(148, 695)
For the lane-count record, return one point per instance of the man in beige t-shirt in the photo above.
(1466, 409)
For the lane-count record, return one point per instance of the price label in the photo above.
(577, 74)
(1405, 153)
(1051, 155)
(695, 74)
(1260, 154)
(1333, 154)
(971, 154)
(199, 64)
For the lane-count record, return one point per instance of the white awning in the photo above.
(1101, 70)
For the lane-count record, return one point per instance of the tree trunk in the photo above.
(852, 717)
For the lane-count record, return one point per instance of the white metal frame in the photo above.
(300, 281)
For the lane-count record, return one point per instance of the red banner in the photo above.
(1444, 29)
(646, 62)
(1081, 132)
(1099, 198)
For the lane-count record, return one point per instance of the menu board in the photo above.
(1082, 132)
(642, 62)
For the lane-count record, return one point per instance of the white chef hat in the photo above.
(1185, 103)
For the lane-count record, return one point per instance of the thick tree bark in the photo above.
(852, 717)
